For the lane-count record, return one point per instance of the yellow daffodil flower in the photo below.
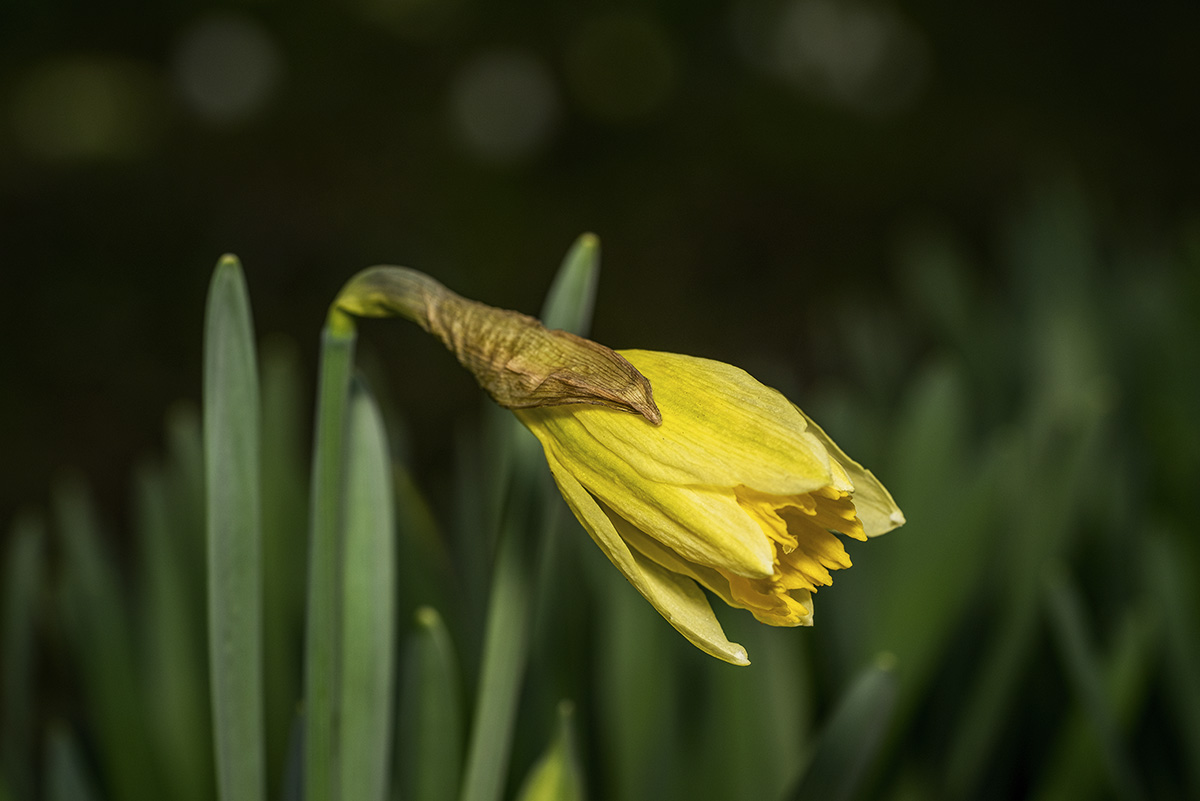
(737, 490)
(686, 472)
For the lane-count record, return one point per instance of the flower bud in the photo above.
(516, 359)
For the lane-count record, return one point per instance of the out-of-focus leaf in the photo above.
(1174, 586)
(765, 705)
(176, 682)
(1071, 630)
(1058, 444)
(638, 691)
(232, 473)
(368, 627)
(505, 640)
(67, 775)
(101, 647)
(425, 569)
(908, 588)
(23, 571)
(430, 732)
(1078, 767)
(285, 427)
(557, 776)
(185, 469)
(292, 785)
(850, 742)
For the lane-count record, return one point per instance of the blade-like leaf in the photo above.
(1173, 577)
(67, 775)
(285, 519)
(430, 738)
(368, 608)
(231, 451)
(1093, 694)
(850, 741)
(572, 295)
(22, 578)
(176, 682)
(102, 650)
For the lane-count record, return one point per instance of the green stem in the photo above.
(321, 640)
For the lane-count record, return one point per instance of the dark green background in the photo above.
(743, 215)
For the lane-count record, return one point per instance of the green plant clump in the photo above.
(296, 629)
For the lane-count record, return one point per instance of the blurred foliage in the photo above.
(753, 159)
(1031, 632)
(960, 238)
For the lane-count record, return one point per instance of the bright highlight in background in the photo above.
(227, 68)
(504, 106)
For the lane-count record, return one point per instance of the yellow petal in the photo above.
(703, 524)
(793, 608)
(720, 427)
(676, 597)
(876, 509)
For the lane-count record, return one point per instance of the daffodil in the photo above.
(687, 472)
(737, 490)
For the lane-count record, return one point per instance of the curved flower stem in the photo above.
(321, 635)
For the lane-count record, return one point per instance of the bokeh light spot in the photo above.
(227, 67)
(620, 66)
(83, 108)
(504, 106)
(862, 56)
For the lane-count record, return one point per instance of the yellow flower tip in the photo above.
(739, 656)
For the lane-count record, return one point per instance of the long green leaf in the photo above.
(322, 637)
(766, 705)
(1080, 765)
(101, 640)
(368, 608)
(285, 518)
(504, 653)
(185, 467)
(67, 775)
(231, 450)
(1058, 443)
(176, 681)
(639, 697)
(1083, 670)
(22, 578)
(430, 739)
(1175, 593)
(572, 295)
(850, 742)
